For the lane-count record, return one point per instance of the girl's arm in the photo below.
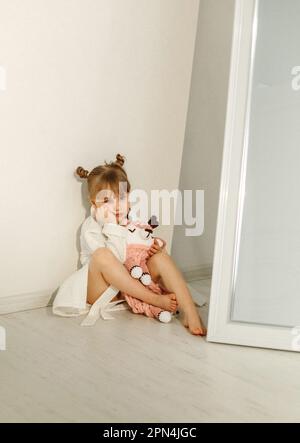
(115, 235)
(115, 239)
(91, 238)
(99, 234)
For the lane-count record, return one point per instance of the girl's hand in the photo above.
(123, 220)
(105, 215)
(155, 247)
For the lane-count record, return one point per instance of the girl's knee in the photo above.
(102, 256)
(157, 258)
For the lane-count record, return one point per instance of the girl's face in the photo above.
(115, 206)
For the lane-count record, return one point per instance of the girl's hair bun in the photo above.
(81, 172)
(120, 160)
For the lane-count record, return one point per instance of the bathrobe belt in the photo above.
(103, 306)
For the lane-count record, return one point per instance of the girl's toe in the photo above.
(196, 331)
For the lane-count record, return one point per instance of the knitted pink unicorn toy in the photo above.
(139, 238)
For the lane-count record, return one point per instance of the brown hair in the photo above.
(109, 174)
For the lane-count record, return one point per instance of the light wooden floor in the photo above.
(135, 369)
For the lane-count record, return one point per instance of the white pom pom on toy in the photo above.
(146, 279)
(165, 317)
(136, 272)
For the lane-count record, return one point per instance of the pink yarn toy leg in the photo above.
(137, 256)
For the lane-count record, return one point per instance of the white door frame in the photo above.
(220, 327)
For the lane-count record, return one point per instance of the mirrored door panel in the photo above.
(266, 278)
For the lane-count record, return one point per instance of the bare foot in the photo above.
(193, 322)
(167, 302)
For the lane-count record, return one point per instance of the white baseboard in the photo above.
(41, 299)
(24, 302)
(193, 273)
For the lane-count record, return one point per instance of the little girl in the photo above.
(103, 252)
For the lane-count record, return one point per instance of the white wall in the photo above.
(203, 145)
(85, 79)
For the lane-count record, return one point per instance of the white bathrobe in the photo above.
(70, 300)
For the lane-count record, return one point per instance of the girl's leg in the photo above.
(105, 269)
(161, 266)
